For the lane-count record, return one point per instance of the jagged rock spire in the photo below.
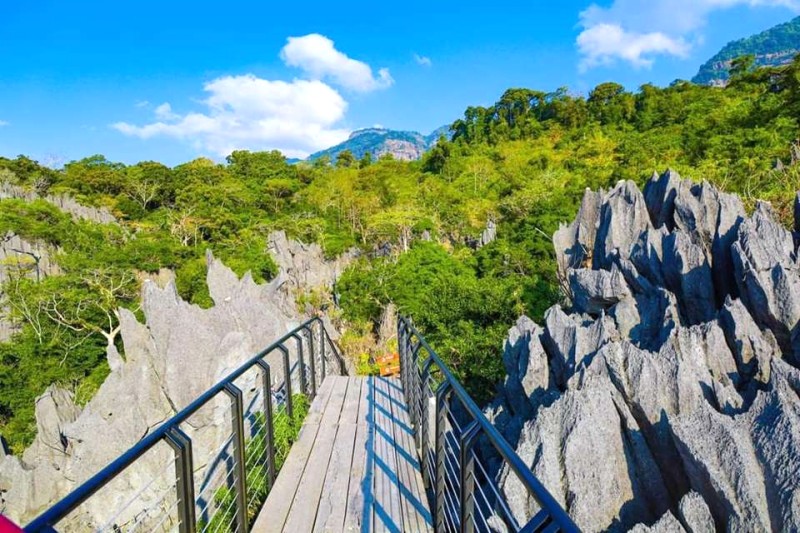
(668, 396)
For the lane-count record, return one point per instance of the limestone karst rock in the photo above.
(594, 291)
(623, 216)
(175, 355)
(574, 243)
(692, 516)
(21, 258)
(667, 397)
(304, 265)
(488, 235)
(65, 203)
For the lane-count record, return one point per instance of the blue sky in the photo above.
(79, 78)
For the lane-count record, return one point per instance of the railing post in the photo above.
(442, 396)
(413, 379)
(269, 425)
(239, 458)
(467, 467)
(424, 405)
(302, 363)
(401, 350)
(312, 359)
(184, 478)
(287, 380)
(322, 349)
(335, 353)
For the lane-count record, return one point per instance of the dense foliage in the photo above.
(523, 162)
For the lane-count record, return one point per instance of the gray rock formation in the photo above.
(387, 329)
(668, 397)
(623, 217)
(597, 290)
(303, 266)
(22, 259)
(64, 202)
(574, 243)
(175, 355)
(489, 234)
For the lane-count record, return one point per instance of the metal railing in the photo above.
(460, 475)
(238, 473)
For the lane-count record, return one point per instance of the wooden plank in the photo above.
(333, 501)
(276, 509)
(386, 512)
(413, 500)
(360, 484)
(307, 497)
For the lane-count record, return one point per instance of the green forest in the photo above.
(523, 162)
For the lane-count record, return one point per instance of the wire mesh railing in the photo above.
(192, 477)
(460, 476)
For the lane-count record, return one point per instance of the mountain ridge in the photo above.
(401, 144)
(772, 47)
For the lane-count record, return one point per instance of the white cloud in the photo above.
(247, 112)
(317, 56)
(603, 43)
(4, 123)
(423, 61)
(164, 112)
(636, 31)
(297, 117)
(142, 104)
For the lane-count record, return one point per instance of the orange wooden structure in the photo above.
(389, 364)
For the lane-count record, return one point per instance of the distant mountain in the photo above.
(404, 145)
(776, 46)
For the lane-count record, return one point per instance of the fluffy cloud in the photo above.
(297, 117)
(603, 43)
(637, 31)
(164, 112)
(423, 61)
(247, 112)
(4, 123)
(317, 56)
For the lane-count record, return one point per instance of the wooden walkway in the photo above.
(354, 466)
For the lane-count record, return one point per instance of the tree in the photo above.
(91, 307)
(140, 188)
(741, 66)
(396, 223)
(609, 103)
(345, 159)
(366, 160)
(436, 158)
(261, 165)
(95, 174)
(184, 227)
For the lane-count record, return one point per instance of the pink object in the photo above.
(7, 526)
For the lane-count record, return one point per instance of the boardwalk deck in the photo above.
(354, 466)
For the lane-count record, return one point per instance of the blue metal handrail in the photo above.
(171, 433)
(449, 468)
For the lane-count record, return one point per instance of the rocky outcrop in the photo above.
(487, 236)
(64, 202)
(20, 258)
(169, 360)
(303, 266)
(667, 397)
